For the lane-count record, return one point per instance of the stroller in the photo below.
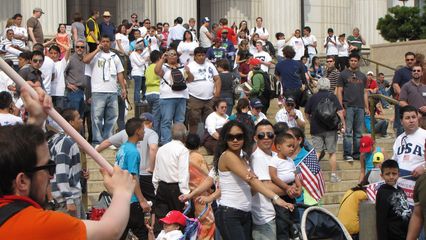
(319, 223)
(192, 224)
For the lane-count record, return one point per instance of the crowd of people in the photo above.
(189, 79)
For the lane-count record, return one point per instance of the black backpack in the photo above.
(326, 114)
(178, 80)
(272, 86)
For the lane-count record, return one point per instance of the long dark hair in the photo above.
(222, 143)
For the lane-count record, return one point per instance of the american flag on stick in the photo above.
(310, 173)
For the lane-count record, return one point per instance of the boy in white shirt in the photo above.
(283, 174)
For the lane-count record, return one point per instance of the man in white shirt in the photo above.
(12, 50)
(171, 173)
(193, 29)
(263, 56)
(330, 44)
(256, 110)
(6, 107)
(20, 33)
(145, 28)
(202, 89)
(293, 117)
(205, 36)
(105, 69)
(47, 69)
(263, 212)
(296, 42)
(310, 41)
(409, 147)
(176, 34)
(259, 29)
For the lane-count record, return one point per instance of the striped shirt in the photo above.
(332, 75)
(66, 181)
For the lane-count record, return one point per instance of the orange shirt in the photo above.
(35, 223)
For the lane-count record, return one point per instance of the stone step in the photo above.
(333, 208)
(341, 165)
(332, 198)
(342, 186)
(344, 174)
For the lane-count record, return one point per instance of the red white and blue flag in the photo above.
(311, 176)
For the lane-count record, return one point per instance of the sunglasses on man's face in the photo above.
(50, 167)
(262, 135)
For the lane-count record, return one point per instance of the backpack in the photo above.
(326, 114)
(269, 47)
(268, 82)
(178, 80)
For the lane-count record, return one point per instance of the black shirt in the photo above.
(311, 105)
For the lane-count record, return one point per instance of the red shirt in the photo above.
(372, 84)
(231, 34)
(36, 223)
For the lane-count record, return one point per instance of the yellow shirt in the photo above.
(349, 210)
(96, 32)
(152, 80)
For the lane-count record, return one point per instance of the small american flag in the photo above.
(310, 173)
(372, 190)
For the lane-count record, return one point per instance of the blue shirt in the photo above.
(402, 76)
(107, 29)
(291, 73)
(128, 158)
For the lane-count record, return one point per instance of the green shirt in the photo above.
(258, 84)
(152, 80)
(355, 41)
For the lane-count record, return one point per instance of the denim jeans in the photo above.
(384, 92)
(233, 223)
(75, 100)
(104, 112)
(381, 127)
(353, 132)
(172, 111)
(267, 231)
(59, 102)
(154, 102)
(139, 85)
(229, 105)
(397, 122)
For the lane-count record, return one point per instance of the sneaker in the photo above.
(335, 179)
(348, 158)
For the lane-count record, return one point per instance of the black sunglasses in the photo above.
(262, 135)
(82, 47)
(50, 167)
(232, 137)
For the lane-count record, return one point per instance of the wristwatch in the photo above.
(275, 198)
(297, 117)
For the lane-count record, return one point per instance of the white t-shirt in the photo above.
(285, 168)
(48, 69)
(280, 47)
(19, 31)
(143, 31)
(203, 85)
(103, 69)
(205, 42)
(263, 56)
(282, 116)
(125, 43)
(172, 235)
(259, 118)
(5, 81)
(408, 150)
(298, 46)
(309, 41)
(165, 89)
(215, 121)
(138, 62)
(155, 43)
(343, 49)
(186, 49)
(262, 209)
(262, 31)
(7, 119)
(57, 87)
(331, 49)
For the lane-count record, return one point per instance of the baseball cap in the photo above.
(37, 9)
(366, 144)
(290, 100)
(378, 157)
(147, 117)
(174, 217)
(342, 35)
(330, 30)
(205, 19)
(224, 31)
(256, 103)
(370, 72)
(253, 61)
(106, 14)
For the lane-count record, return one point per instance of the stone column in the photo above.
(365, 14)
(167, 11)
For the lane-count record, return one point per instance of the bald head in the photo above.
(179, 132)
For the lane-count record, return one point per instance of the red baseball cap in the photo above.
(174, 217)
(254, 61)
(366, 144)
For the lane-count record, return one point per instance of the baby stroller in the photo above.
(319, 223)
(192, 224)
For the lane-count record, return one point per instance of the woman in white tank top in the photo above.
(236, 181)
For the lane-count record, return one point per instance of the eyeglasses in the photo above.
(233, 137)
(37, 60)
(223, 107)
(147, 23)
(262, 135)
(134, 17)
(409, 59)
(82, 47)
(50, 167)
(330, 61)
(417, 70)
(171, 54)
(290, 104)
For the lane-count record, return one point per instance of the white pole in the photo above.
(20, 82)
